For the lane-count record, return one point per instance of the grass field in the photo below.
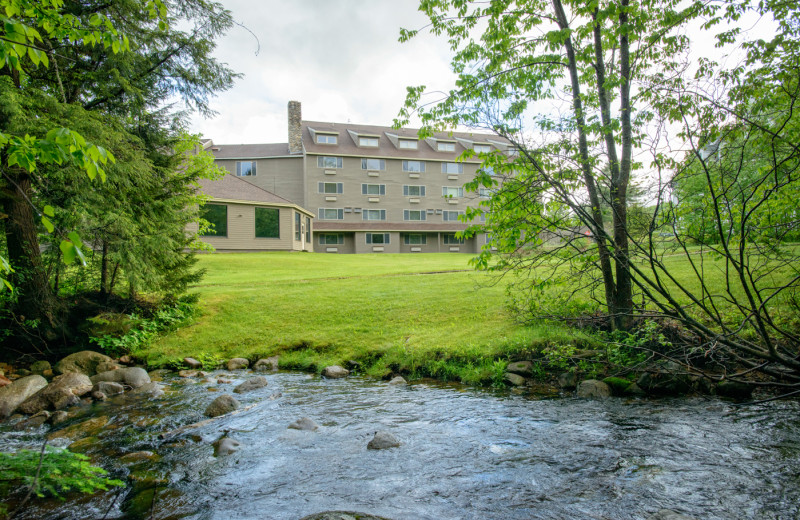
(425, 315)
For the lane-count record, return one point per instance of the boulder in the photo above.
(84, 362)
(109, 388)
(38, 367)
(34, 421)
(192, 363)
(568, 380)
(238, 363)
(107, 365)
(734, 390)
(97, 395)
(58, 417)
(635, 391)
(398, 380)
(4, 381)
(88, 428)
(304, 424)
(226, 446)
(666, 514)
(523, 368)
(270, 363)
(13, 395)
(151, 390)
(514, 379)
(222, 405)
(188, 373)
(335, 372)
(383, 440)
(618, 384)
(594, 388)
(253, 383)
(126, 360)
(129, 376)
(63, 391)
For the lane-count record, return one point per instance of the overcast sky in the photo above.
(340, 59)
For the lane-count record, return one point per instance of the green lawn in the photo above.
(420, 314)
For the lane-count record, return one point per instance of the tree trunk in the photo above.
(104, 270)
(35, 299)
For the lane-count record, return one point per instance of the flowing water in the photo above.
(465, 454)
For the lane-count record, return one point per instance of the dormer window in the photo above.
(482, 148)
(368, 141)
(327, 138)
(445, 146)
(245, 168)
(407, 144)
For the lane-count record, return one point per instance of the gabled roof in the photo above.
(250, 151)
(230, 188)
(388, 141)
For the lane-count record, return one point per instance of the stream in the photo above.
(466, 454)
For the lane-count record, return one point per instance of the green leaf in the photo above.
(49, 211)
(47, 224)
(68, 251)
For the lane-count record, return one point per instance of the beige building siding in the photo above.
(361, 245)
(242, 235)
(282, 176)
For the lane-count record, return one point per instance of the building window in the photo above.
(329, 162)
(449, 239)
(451, 167)
(482, 148)
(268, 223)
(373, 164)
(408, 144)
(414, 191)
(445, 146)
(377, 238)
(485, 192)
(368, 141)
(331, 214)
(308, 230)
(415, 240)
(245, 168)
(451, 216)
(488, 170)
(373, 189)
(414, 166)
(298, 233)
(452, 192)
(327, 139)
(373, 214)
(413, 214)
(217, 216)
(331, 239)
(330, 187)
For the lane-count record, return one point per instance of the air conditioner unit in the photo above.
(348, 210)
(438, 212)
(430, 212)
(357, 210)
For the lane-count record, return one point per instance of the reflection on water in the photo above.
(466, 454)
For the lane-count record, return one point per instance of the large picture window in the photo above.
(373, 164)
(245, 168)
(414, 166)
(217, 216)
(330, 214)
(331, 239)
(452, 167)
(377, 238)
(373, 214)
(452, 192)
(414, 191)
(451, 216)
(415, 240)
(373, 189)
(329, 162)
(268, 224)
(413, 214)
(330, 187)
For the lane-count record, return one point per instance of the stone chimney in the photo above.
(295, 131)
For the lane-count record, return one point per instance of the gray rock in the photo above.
(126, 360)
(666, 514)
(226, 446)
(63, 391)
(188, 373)
(107, 365)
(238, 363)
(84, 362)
(335, 372)
(133, 377)
(398, 380)
(254, 383)
(270, 363)
(304, 424)
(514, 379)
(13, 395)
(109, 388)
(635, 390)
(523, 368)
(58, 417)
(192, 363)
(151, 390)
(222, 405)
(34, 421)
(38, 367)
(594, 388)
(383, 440)
(97, 395)
(568, 381)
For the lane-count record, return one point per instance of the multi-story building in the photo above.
(372, 188)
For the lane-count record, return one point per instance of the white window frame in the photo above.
(321, 162)
(366, 214)
(408, 144)
(447, 215)
(338, 187)
(422, 236)
(422, 215)
(323, 213)
(482, 148)
(327, 139)
(447, 189)
(447, 168)
(421, 164)
(365, 189)
(324, 239)
(445, 146)
(407, 190)
(252, 171)
(370, 237)
(365, 164)
(367, 141)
